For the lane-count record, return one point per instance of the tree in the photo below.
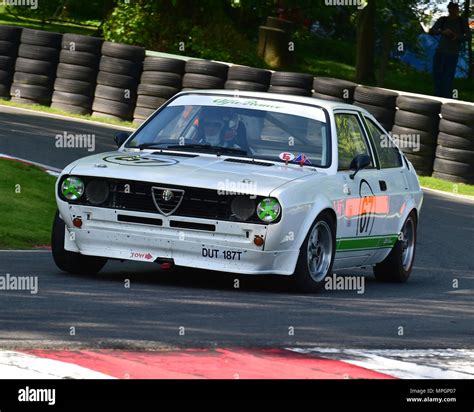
(365, 62)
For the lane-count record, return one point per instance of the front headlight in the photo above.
(72, 188)
(268, 210)
(97, 192)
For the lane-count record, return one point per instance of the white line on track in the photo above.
(17, 365)
(405, 364)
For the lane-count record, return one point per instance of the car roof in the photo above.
(326, 104)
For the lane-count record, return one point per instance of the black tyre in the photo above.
(417, 121)
(41, 38)
(406, 134)
(454, 179)
(10, 33)
(43, 102)
(202, 81)
(117, 80)
(45, 53)
(72, 99)
(422, 150)
(249, 74)
(382, 114)
(123, 51)
(81, 43)
(75, 72)
(142, 113)
(457, 155)
(4, 92)
(69, 261)
(207, 68)
(245, 85)
(5, 77)
(150, 102)
(74, 86)
(341, 89)
(30, 78)
(157, 90)
(79, 58)
(289, 79)
(163, 64)
(317, 95)
(423, 165)
(316, 255)
(456, 129)
(115, 93)
(459, 113)
(7, 63)
(456, 142)
(375, 96)
(34, 66)
(30, 91)
(7, 48)
(71, 108)
(397, 266)
(112, 107)
(295, 91)
(454, 168)
(418, 105)
(108, 116)
(120, 66)
(162, 79)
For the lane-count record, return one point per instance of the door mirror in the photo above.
(361, 161)
(120, 138)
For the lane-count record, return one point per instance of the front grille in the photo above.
(195, 202)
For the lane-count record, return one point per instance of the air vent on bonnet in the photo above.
(175, 154)
(250, 162)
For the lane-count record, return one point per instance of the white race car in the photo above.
(254, 183)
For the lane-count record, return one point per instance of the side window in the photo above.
(388, 154)
(350, 139)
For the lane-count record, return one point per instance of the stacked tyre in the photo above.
(117, 81)
(378, 102)
(35, 67)
(161, 79)
(76, 74)
(334, 89)
(9, 43)
(416, 130)
(204, 74)
(298, 84)
(248, 79)
(455, 151)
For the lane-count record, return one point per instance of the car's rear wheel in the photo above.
(69, 261)
(316, 255)
(397, 266)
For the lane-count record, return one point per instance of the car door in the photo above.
(363, 206)
(392, 172)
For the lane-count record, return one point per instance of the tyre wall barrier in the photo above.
(83, 75)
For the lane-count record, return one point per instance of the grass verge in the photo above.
(27, 205)
(445, 186)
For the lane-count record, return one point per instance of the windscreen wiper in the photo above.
(209, 148)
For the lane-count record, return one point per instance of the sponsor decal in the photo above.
(141, 255)
(139, 160)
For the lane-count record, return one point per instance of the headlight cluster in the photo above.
(96, 191)
(268, 210)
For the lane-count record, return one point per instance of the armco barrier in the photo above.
(113, 90)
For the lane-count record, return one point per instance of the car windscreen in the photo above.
(253, 128)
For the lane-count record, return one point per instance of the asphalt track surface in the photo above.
(159, 306)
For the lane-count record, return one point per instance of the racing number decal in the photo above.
(367, 209)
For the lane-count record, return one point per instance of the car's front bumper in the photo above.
(230, 248)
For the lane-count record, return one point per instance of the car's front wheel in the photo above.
(69, 261)
(397, 266)
(316, 255)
